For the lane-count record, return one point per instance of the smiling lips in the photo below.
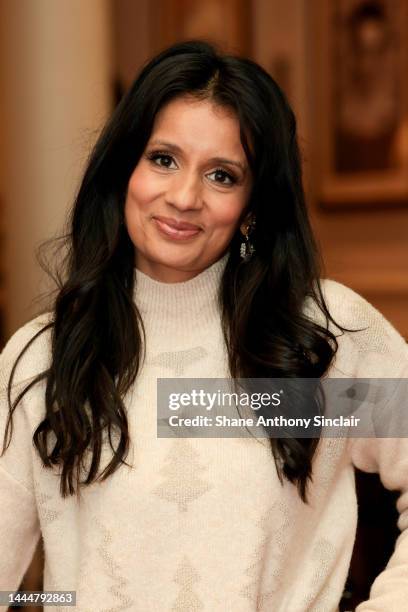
(177, 230)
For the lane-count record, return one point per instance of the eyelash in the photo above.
(154, 155)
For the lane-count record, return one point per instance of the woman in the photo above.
(191, 255)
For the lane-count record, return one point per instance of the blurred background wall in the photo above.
(342, 64)
(56, 67)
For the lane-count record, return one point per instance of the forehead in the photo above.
(200, 124)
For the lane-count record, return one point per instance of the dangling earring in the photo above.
(247, 249)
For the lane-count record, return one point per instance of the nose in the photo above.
(184, 191)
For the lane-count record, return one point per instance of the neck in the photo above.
(181, 307)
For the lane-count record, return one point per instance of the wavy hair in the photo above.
(97, 334)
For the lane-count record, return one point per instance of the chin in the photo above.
(184, 263)
(173, 260)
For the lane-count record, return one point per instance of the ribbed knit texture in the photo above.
(200, 524)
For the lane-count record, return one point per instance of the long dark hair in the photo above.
(97, 334)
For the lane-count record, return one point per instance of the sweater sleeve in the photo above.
(385, 354)
(19, 523)
(389, 458)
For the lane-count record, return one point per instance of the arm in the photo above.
(389, 458)
(19, 524)
(19, 531)
(377, 352)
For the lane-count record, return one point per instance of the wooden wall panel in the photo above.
(364, 246)
(143, 28)
(226, 23)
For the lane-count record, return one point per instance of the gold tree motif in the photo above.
(187, 600)
(269, 553)
(182, 470)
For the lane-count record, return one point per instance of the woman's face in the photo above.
(188, 191)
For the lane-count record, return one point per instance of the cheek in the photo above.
(141, 189)
(227, 215)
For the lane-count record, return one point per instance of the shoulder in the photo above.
(18, 424)
(347, 307)
(352, 310)
(372, 340)
(36, 358)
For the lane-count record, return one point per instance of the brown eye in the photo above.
(223, 177)
(161, 159)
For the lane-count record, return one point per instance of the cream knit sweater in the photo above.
(201, 524)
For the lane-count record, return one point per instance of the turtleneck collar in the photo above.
(169, 301)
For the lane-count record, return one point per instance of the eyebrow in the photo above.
(218, 160)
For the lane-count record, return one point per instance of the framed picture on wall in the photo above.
(360, 101)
